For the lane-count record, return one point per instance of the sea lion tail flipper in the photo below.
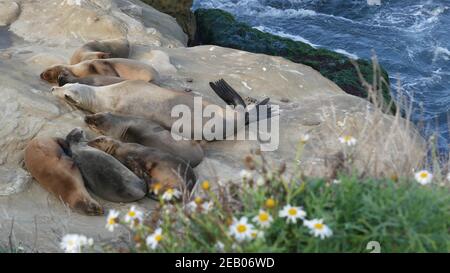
(227, 93)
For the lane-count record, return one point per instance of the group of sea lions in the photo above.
(136, 150)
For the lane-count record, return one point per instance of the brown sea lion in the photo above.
(117, 67)
(104, 175)
(95, 80)
(115, 48)
(152, 102)
(145, 132)
(48, 161)
(150, 164)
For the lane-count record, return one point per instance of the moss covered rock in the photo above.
(180, 10)
(218, 27)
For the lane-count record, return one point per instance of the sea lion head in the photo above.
(51, 74)
(65, 76)
(78, 95)
(105, 143)
(77, 135)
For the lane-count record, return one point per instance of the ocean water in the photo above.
(411, 39)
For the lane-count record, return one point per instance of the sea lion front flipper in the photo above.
(227, 93)
(103, 67)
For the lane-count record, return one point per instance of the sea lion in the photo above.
(150, 164)
(149, 101)
(117, 67)
(95, 80)
(145, 132)
(103, 174)
(48, 161)
(115, 48)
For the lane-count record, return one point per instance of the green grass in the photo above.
(401, 216)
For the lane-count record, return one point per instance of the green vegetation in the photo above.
(401, 215)
(220, 28)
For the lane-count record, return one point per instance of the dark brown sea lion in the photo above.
(48, 161)
(103, 174)
(115, 48)
(123, 68)
(145, 132)
(150, 164)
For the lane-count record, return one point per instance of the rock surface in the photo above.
(309, 103)
(9, 10)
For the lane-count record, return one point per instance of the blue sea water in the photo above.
(411, 39)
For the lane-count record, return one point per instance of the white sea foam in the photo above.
(346, 53)
(285, 35)
(441, 52)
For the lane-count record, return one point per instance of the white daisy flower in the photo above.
(112, 221)
(318, 228)
(337, 181)
(292, 213)
(263, 219)
(154, 239)
(260, 181)
(423, 177)
(134, 217)
(448, 177)
(304, 138)
(170, 194)
(348, 140)
(207, 206)
(241, 230)
(257, 234)
(191, 206)
(74, 243)
(246, 175)
(220, 246)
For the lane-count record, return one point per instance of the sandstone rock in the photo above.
(72, 22)
(9, 10)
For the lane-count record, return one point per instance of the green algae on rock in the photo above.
(220, 28)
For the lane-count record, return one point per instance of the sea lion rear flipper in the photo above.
(227, 93)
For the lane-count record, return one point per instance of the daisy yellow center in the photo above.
(347, 138)
(263, 217)
(156, 187)
(423, 175)
(131, 213)
(318, 226)
(241, 228)
(198, 200)
(292, 211)
(205, 185)
(112, 221)
(158, 237)
(270, 203)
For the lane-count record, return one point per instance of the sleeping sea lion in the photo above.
(102, 173)
(150, 164)
(145, 132)
(149, 101)
(114, 48)
(49, 162)
(117, 67)
(94, 80)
